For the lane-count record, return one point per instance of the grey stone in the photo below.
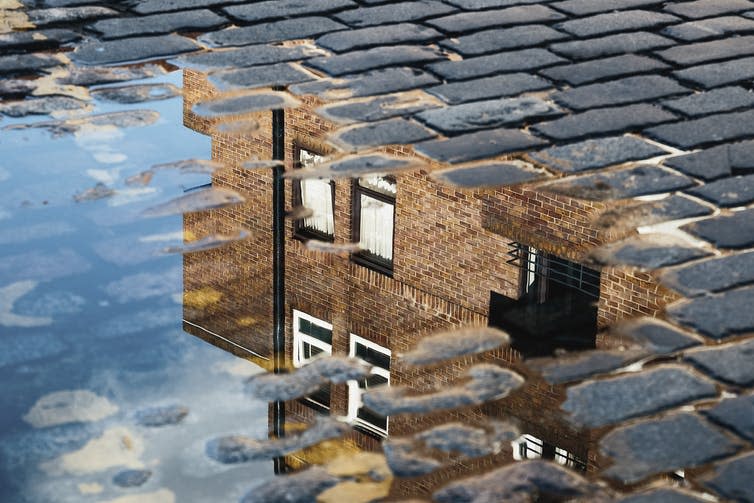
(579, 366)
(657, 337)
(709, 28)
(486, 114)
(379, 108)
(131, 478)
(704, 52)
(604, 121)
(469, 21)
(732, 479)
(155, 6)
(713, 275)
(381, 81)
(454, 344)
(370, 59)
(479, 145)
(36, 40)
(356, 166)
(280, 74)
(594, 154)
(718, 316)
(263, 33)
(707, 130)
(161, 416)
(243, 57)
(132, 49)
(584, 7)
(16, 87)
(664, 445)
(494, 174)
(388, 132)
(27, 63)
(732, 363)
(405, 460)
(725, 99)
(608, 401)
(709, 8)
(611, 45)
(43, 17)
(393, 12)
(486, 4)
(601, 69)
(158, 24)
(637, 214)
(300, 487)
(393, 34)
(728, 192)
(616, 92)
(88, 76)
(602, 24)
(242, 104)
(717, 74)
(138, 93)
(41, 106)
(647, 251)
(503, 62)
(662, 496)
(259, 11)
(717, 162)
(489, 87)
(502, 39)
(726, 231)
(736, 414)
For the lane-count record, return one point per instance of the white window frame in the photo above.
(354, 392)
(301, 338)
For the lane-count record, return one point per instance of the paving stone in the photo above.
(499, 86)
(716, 162)
(281, 74)
(577, 367)
(732, 479)
(601, 69)
(706, 130)
(584, 7)
(526, 59)
(479, 145)
(469, 21)
(354, 166)
(640, 180)
(615, 92)
(602, 24)
(43, 17)
(382, 107)
(705, 52)
(485, 175)
(604, 121)
(132, 49)
(36, 40)
(736, 414)
(158, 24)
(724, 99)
(247, 56)
(459, 119)
(709, 28)
(259, 11)
(662, 496)
(138, 93)
(624, 218)
(502, 39)
(611, 45)
(393, 13)
(729, 192)
(599, 403)
(239, 104)
(16, 87)
(647, 251)
(655, 336)
(131, 478)
(28, 63)
(708, 8)
(89, 76)
(381, 81)
(717, 315)
(664, 445)
(726, 231)
(41, 106)
(155, 6)
(732, 363)
(263, 33)
(358, 61)
(389, 132)
(594, 154)
(713, 275)
(486, 4)
(718, 74)
(394, 34)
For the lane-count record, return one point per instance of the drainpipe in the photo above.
(278, 270)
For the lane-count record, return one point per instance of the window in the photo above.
(374, 215)
(312, 337)
(379, 358)
(317, 195)
(531, 447)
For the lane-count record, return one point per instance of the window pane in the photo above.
(317, 196)
(309, 328)
(379, 184)
(376, 227)
(376, 358)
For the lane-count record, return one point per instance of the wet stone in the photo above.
(405, 461)
(479, 145)
(358, 61)
(209, 242)
(502, 39)
(281, 74)
(85, 76)
(455, 344)
(628, 90)
(611, 45)
(711, 275)
(355, 166)
(382, 107)
(394, 34)
(601, 69)
(489, 87)
(580, 366)
(136, 93)
(42, 17)
(584, 7)
(717, 316)
(736, 414)
(726, 231)
(132, 49)
(709, 28)
(389, 132)
(733, 363)
(627, 20)
(36, 40)
(131, 478)
(728, 192)
(664, 445)
(638, 214)
(609, 401)
(703, 52)
(247, 56)
(486, 114)
(41, 106)
(28, 63)
(161, 416)
(198, 200)
(155, 6)
(289, 29)
(718, 74)
(369, 83)
(716, 162)
(470, 21)
(301, 487)
(717, 100)
(640, 180)
(732, 479)
(494, 174)
(16, 87)
(503, 62)
(244, 103)
(472, 442)
(662, 496)
(655, 336)
(594, 154)
(158, 24)
(647, 251)
(393, 13)
(707, 8)
(259, 11)
(604, 121)
(707, 130)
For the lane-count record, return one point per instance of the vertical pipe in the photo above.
(278, 270)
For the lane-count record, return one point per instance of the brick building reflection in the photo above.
(434, 258)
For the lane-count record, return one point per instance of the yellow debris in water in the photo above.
(202, 298)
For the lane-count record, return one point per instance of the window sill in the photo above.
(303, 234)
(370, 262)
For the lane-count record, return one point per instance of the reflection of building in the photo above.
(433, 258)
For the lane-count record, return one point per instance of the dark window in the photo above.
(318, 196)
(531, 447)
(373, 221)
(364, 417)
